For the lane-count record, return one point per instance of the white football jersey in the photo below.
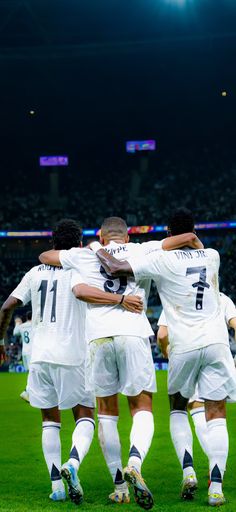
(187, 281)
(105, 321)
(227, 305)
(24, 331)
(58, 318)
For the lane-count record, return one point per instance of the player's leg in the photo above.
(109, 439)
(25, 394)
(69, 382)
(217, 380)
(105, 379)
(218, 447)
(137, 382)
(81, 440)
(51, 445)
(42, 395)
(140, 441)
(196, 407)
(182, 375)
(182, 439)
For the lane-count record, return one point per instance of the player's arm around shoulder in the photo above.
(113, 266)
(50, 258)
(186, 239)
(93, 295)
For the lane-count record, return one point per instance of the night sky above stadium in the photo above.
(97, 73)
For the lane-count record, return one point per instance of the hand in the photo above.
(196, 243)
(165, 351)
(3, 356)
(132, 303)
(18, 320)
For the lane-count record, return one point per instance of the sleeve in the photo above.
(230, 309)
(147, 267)
(23, 290)
(70, 258)
(162, 319)
(76, 278)
(16, 330)
(154, 245)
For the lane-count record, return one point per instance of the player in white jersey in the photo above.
(196, 404)
(120, 355)
(57, 370)
(187, 282)
(23, 330)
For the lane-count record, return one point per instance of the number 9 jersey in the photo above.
(106, 321)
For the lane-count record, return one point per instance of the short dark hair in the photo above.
(28, 315)
(67, 234)
(181, 221)
(114, 226)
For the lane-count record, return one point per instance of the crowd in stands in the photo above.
(142, 191)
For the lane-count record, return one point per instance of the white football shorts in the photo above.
(121, 364)
(211, 367)
(195, 397)
(52, 385)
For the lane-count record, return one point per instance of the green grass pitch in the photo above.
(25, 484)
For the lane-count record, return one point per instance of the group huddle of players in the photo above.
(90, 340)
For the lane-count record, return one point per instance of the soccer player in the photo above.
(196, 404)
(120, 355)
(187, 282)
(23, 330)
(57, 377)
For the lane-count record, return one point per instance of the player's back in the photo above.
(58, 318)
(188, 287)
(104, 321)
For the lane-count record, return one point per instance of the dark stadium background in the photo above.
(96, 74)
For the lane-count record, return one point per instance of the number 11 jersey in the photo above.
(58, 318)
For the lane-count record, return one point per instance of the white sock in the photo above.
(200, 424)
(218, 447)
(51, 445)
(182, 439)
(110, 443)
(81, 440)
(140, 438)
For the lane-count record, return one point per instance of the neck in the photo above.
(118, 240)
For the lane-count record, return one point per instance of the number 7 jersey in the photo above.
(58, 318)
(187, 281)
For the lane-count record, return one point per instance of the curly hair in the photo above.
(181, 221)
(67, 234)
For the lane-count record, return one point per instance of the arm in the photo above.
(5, 317)
(176, 242)
(93, 295)
(162, 340)
(50, 258)
(113, 266)
(18, 322)
(232, 324)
